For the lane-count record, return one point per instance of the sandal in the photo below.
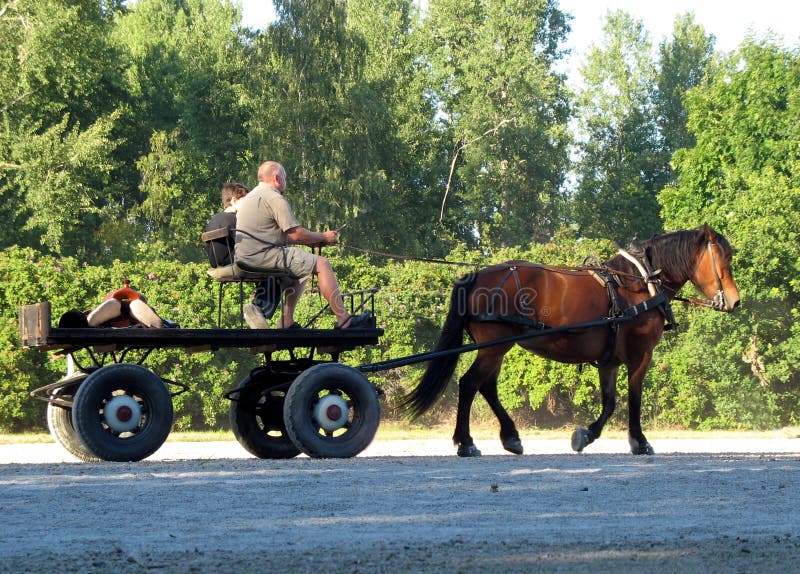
(353, 321)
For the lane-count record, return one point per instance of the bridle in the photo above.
(718, 301)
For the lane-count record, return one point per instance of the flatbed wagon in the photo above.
(112, 407)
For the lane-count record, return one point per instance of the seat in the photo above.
(224, 270)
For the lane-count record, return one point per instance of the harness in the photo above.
(618, 312)
(518, 319)
(718, 302)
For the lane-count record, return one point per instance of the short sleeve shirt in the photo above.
(266, 214)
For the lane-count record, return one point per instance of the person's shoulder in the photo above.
(273, 196)
(263, 190)
(221, 219)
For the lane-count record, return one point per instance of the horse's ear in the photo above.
(707, 233)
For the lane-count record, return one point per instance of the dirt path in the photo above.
(207, 507)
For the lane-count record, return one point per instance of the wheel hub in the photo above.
(122, 413)
(331, 412)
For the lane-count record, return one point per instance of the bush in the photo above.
(698, 378)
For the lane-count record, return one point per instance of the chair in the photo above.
(224, 269)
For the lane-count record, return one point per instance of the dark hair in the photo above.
(232, 190)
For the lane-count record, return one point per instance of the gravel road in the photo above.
(728, 505)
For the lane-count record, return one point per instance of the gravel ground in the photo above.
(698, 506)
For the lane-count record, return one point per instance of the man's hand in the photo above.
(302, 236)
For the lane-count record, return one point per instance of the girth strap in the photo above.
(502, 318)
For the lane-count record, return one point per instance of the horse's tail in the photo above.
(437, 375)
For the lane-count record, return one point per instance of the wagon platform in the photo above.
(36, 332)
(111, 407)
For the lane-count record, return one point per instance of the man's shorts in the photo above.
(299, 262)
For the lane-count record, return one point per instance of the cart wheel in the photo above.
(256, 418)
(122, 412)
(331, 411)
(59, 421)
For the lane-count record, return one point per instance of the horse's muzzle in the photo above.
(725, 302)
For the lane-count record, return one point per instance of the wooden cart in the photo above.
(112, 407)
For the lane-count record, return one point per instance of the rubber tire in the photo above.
(365, 411)
(258, 412)
(151, 393)
(59, 422)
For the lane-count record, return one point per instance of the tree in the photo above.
(503, 112)
(405, 145)
(186, 119)
(59, 87)
(743, 178)
(619, 172)
(683, 64)
(304, 66)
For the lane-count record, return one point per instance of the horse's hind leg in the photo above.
(608, 387)
(484, 370)
(508, 430)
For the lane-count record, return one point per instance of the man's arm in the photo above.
(302, 236)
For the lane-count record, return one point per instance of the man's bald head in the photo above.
(272, 173)
(268, 169)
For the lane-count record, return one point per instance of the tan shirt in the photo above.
(266, 214)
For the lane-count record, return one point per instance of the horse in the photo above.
(608, 315)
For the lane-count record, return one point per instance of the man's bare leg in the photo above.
(329, 287)
(291, 297)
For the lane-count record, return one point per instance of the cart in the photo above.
(110, 407)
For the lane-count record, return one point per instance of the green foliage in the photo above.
(684, 60)
(503, 114)
(429, 133)
(186, 117)
(742, 177)
(58, 92)
(619, 170)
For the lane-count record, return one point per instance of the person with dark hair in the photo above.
(219, 252)
(267, 226)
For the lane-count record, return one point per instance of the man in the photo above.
(266, 226)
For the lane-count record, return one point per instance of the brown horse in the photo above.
(619, 311)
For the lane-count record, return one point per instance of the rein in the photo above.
(718, 302)
(580, 269)
(407, 257)
(650, 279)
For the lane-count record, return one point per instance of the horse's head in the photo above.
(712, 270)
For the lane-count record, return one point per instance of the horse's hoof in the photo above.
(513, 445)
(581, 438)
(468, 450)
(643, 448)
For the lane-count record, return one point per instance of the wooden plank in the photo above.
(34, 324)
(36, 332)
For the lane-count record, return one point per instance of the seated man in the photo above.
(267, 226)
(220, 252)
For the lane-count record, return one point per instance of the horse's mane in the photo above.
(674, 253)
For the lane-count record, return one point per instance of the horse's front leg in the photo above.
(582, 437)
(636, 438)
